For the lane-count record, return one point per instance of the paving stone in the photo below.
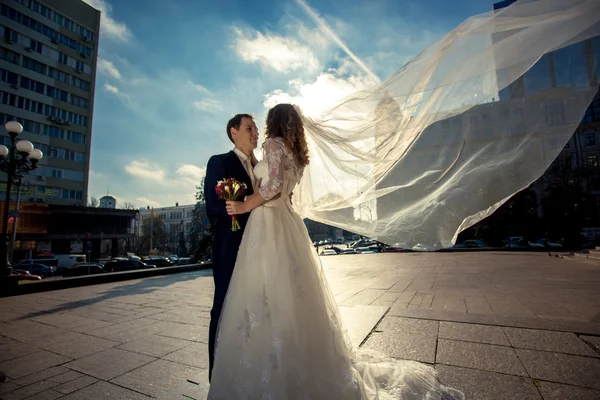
(49, 394)
(360, 320)
(562, 368)
(136, 333)
(195, 389)
(97, 324)
(557, 391)
(105, 391)
(481, 356)
(405, 346)
(157, 378)
(35, 362)
(560, 342)
(46, 374)
(484, 385)
(8, 386)
(109, 363)
(28, 391)
(75, 384)
(65, 377)
(409, 325)
(473, 333)
(76, 345)
(15, 349)
(154, 345)
(64, 320)
(195, 355)
(194, 333)
(593, 341)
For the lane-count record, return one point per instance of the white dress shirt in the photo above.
(247, 163)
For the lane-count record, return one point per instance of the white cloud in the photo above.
(109, 27)
(317, 96)
(108, 68)
(275, 52)
(143, 201)
(208, 105)
(143, 170)
(191, 174)
(199, 87)
(110, 88)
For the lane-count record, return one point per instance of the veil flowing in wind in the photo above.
(446, 140)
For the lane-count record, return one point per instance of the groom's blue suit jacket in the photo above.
(226, 243)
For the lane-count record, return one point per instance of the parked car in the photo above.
(158, 261)
(26, 276)
(125, 265)
(41, 270)
(81, 269)
(329, 252)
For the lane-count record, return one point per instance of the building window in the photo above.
(555, 114)
(590, 139)
(9, 56)
(538, 78)
(592, 160)
(592, 114)
(568, 162)
(43, 29)
(570, 66)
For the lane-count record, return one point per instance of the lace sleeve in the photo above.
(273, 154)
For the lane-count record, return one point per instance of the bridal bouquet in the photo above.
(231, 189)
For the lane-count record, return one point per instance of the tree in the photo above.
(569, 204)
(155, 224)
(128, 206)
(201, 232)
(518, 216)
(93, 202)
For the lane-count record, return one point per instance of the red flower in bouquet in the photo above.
(231, 189)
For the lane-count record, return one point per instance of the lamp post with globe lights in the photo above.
(21, 157)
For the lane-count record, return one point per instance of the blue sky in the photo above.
(171, 74)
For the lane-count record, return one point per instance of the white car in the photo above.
(329, 252)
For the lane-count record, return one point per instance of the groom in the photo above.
(237, 164)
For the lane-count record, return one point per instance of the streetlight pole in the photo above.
(18, 183)
(151, 226)
(20, 158)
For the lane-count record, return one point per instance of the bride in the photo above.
(280, 335)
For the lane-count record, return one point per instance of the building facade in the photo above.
(176, 221)
(108, 202)
(48, 55)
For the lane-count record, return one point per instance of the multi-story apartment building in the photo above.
(48, 54)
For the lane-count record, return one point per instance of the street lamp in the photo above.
(19, 158)
(151, 226)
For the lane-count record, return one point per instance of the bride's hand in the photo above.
(256, 186)
(235, 207)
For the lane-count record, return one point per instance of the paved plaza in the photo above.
(495, 325)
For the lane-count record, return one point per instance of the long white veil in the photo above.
(452, 135)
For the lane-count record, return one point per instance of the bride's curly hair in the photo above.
(284, 121)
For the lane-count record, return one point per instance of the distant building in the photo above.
(177, 221)
(108, 202)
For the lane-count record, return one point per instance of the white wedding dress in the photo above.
(280, 335)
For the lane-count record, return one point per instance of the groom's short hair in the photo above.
(235, 122)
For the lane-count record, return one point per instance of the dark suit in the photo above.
(225, 242)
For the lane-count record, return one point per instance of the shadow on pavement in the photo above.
(141, 287)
